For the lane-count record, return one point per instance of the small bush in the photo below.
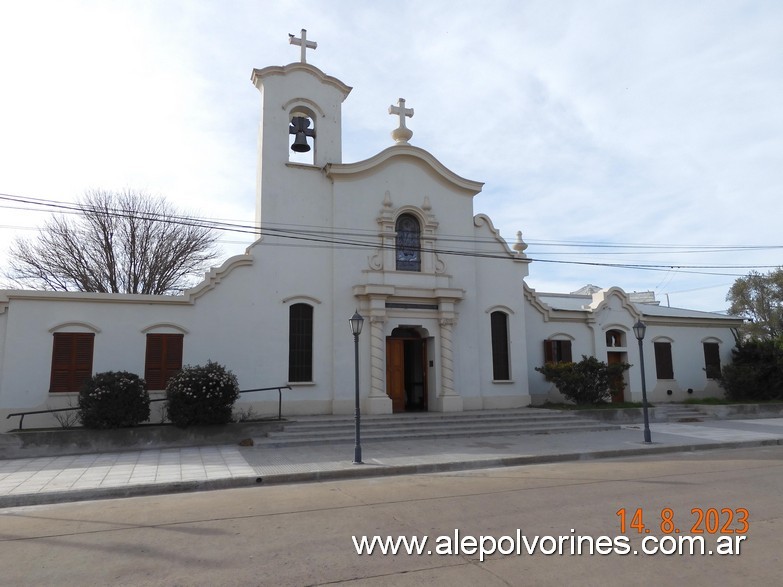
(201, 395)
(589, 381)
(113, 399)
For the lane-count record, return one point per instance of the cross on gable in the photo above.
(401, 111)
(303, 43)
(401, 134)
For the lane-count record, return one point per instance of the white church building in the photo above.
(449, 323)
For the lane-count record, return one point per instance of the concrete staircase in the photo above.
(680, 413)
(428, 425)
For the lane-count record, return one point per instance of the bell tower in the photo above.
(300, 133)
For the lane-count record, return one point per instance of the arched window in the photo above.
(500, 363)
(300, 343)
(301, 130)
(615, 338)
(408, 245)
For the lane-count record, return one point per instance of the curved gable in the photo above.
(368, 166)
(603, 299)
(258, 75)
(483, 221)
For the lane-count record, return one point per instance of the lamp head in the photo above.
(356, 321)
(639, 329)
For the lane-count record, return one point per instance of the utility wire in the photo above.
(346, 238)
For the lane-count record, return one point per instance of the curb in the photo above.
(359, 472)
(499, 462)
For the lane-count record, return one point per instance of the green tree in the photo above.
(756, 371)
(759, 298)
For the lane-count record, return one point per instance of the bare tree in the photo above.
(119, 242)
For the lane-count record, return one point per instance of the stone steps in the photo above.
(429, 425)
(681, 413)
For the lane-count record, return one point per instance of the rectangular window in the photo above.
(663, 360)
(300, 343)
(71, 360)
(557, 351)
(162, 359)
(712, 360)
(500, 365)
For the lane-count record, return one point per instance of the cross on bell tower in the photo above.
(401, 134)
(303, 43)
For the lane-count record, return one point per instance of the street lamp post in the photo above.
(639, 329)
(356, 321)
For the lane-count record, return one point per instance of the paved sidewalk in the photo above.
(30, 481)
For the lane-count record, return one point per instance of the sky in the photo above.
(609, 132)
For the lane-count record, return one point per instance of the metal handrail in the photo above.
(157, 399)
(279, 396)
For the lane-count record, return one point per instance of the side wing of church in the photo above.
(448, 322)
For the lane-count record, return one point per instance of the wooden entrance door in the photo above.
(395, 373)
(617, 385)
(406, 372)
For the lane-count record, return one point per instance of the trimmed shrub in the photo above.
(589, 381)
(113, 399)
(201, 395)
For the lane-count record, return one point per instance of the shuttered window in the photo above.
(557, 351)
(500, 364)
(71, 360)
(663, 360)
(712, 360)
(300, 343)
(163, 359)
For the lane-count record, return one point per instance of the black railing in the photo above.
(158, 399)
(279, 396)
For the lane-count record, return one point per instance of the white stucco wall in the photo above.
(585, 322)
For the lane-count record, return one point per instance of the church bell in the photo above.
(299, 127)
(300, 143)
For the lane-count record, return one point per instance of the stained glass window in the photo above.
(408, 243)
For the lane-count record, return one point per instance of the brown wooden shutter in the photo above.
(565, 347)
(663, 360)
(153, 362)
(549, 351)
(163, 359)
(712, 360)
(71, 360)
(174, 344)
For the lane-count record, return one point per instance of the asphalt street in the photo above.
(302, 534)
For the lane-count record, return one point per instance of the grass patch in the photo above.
(602, 406)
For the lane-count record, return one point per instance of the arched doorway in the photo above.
(406, 370)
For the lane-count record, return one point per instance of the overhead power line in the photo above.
(352, 237)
